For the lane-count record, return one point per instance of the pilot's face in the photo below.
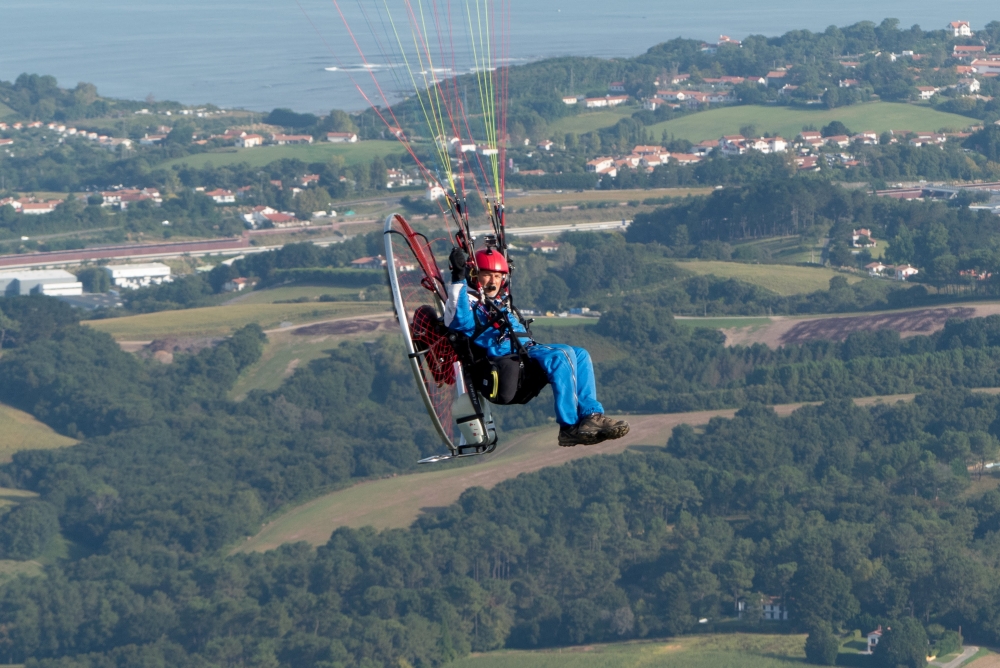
(490, 281)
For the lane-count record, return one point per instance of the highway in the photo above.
(240, 245)
(553, 229)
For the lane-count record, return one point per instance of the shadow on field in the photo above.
(923, 321)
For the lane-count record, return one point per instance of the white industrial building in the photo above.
(53, 282)
(134, 276)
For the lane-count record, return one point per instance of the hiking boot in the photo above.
(603, 427)
(591, 430)
(570, 435)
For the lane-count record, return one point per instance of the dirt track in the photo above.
(784, 331)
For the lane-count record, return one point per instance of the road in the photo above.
(551, 229)
(967, 653)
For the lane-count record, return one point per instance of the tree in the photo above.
(822, 646)
(339, 121)
(985, 447)
(834, 128)
(6, 323)
(822, 595)
(94, 279)
(903, 644)
(27, 529)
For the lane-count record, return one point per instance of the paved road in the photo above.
(550, 229)
(967, 653)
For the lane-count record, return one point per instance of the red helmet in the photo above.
(489, 259)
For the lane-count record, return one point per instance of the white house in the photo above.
(904, 271)
(983, 66)
(771, 609)
(962, 52)
(570, 99)
(546, 145)
(249, 141)
(376, 262)
(235, 285)
(600, 165)
(342, 137)
(960, 29)
(545, 246)
(875, 269)
(970, 85)
(606, 101)
(434, 192)
(39, 208)
(134, 276)
(927, 92)
(282, 140)
(873, 639)
(862, 238)
(733, 145)
(397, 178)
(221, 196)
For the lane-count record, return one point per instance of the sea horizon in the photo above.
(259, 55)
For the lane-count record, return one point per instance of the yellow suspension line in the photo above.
(442, 151)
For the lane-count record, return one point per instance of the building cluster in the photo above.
(245, 139)
(135, 276)
(899, 272)
(265, 216)
(63, 131)
(646, 158)
(608, 100)
(379, 262)
(121, 198)
(61, 283)
(31, 206)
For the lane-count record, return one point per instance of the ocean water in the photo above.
(262, 54)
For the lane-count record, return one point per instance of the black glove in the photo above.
(457, 261)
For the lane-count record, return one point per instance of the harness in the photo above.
(508, 379)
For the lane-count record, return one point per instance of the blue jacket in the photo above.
(470, 314)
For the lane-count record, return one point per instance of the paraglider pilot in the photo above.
(494, 328)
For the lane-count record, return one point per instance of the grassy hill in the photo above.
(20, 431)
(731, 650)
(788, 122)
(222, 320)
(781, 278)
(588, 121)
(395, 502)
(362, 152)
(23, 432)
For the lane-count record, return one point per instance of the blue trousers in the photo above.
(571, 373)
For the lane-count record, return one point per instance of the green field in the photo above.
(288, 292)
(362, 152)
(286, 351)
(6, 112)
(222, 320)
(780, 278)
(788, 122)
(730, 650)
(587, 121)
(23, 432)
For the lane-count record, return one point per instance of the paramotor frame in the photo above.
(419, 295)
